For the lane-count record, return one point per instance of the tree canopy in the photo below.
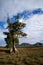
(15, 31)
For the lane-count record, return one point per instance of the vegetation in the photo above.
(27, 56)
(15, 31)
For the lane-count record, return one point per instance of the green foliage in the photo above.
(15, 30)
(16, 40)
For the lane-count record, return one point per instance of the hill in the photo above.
(24, 45)
(38, 44)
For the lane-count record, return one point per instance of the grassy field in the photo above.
(26, 56)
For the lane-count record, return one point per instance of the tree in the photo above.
(15, 31)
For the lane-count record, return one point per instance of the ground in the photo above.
(26, 56)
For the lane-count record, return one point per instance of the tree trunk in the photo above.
(11, 50)
(14, 49)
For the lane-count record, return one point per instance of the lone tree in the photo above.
(15, 31)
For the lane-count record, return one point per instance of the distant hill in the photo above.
(24, 45)
(38, 44)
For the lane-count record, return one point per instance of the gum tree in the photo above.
(15, 32)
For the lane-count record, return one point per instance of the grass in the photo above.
(26, 56)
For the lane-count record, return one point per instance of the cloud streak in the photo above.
(14, 6)
(34, 29)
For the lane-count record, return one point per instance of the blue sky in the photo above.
(30, 11)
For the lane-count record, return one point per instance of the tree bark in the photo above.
(14, 49)
(11, 50)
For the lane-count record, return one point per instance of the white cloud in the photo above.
(34, 29)
(2, 36)
(14, 6)
(20, 20)
(5, 25)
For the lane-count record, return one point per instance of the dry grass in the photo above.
(26, 56)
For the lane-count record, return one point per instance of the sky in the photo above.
(34, 22)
